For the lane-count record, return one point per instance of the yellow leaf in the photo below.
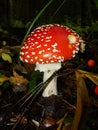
(6, 57)
(3, 79)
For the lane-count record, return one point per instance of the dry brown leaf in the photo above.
(19, 82)
(91, 76)
(16, 78)
(82, 104)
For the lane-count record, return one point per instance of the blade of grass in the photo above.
(58, 9)
(35, 19)
(32, 24)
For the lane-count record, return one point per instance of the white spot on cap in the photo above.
(77, 44)
(42, 40)
(47, 61)
(45, 45)
(52, 61)
(44, 33)
(26, 52)
(38, 37)
(61, 60)
(26, 47)
(39, 34)
(73, 56)
(36, 42)
(54, 56)
(31, 60)
(21, 53)
(32, 39)
(37, 62)
(35, 35)
(40, 59)
(46, 30)
(49, 58)
(59, 57)
(55, 50)
(38, 30)
(29, 38)
(74, 52)
(77, 48)
(49, 49)
(23, 47)
(71, 38)
(32, 32)
(33, 53)
(28, 56)
(57, 24)
(21, 58)
(46, 55)
(40, 52)
(69, 30)
(47, 40)
(54, 45)
(36, 57)
(48, 37)
(38, 46)
(42, 36)
(26, 60)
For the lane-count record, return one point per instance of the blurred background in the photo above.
(17, 15)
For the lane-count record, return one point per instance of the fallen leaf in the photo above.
(91, 76)
(19, 82)
(3, 79)
(82, 104)
(6, 57)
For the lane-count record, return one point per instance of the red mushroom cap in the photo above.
(49, 44)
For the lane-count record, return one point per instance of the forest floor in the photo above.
(22, 105)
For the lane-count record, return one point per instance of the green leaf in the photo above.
(32, 86)
(6, 57)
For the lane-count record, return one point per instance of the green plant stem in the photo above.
(32, 24)
(35, 19)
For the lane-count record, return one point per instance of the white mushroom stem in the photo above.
(48, 70)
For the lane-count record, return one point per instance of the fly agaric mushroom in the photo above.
(47, 47)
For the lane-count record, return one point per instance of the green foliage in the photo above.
(36, 79)
(18, 24)
(6, 57)
(96, 3)
(5, 52)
